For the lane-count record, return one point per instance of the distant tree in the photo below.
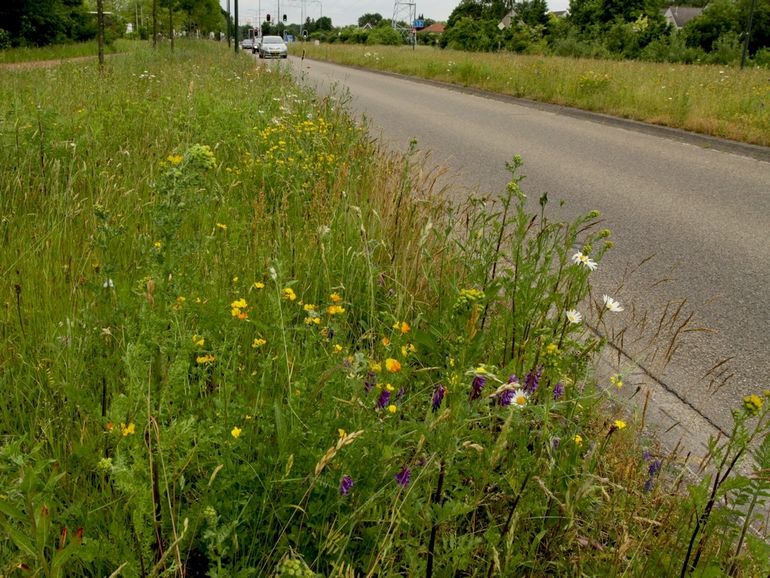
(202, 15)
(465, 9)
(719, 18)
(532, 12)
(722, 18)
(472, 34)
(324, 23)
(760, 29)
(41, 22)
(372, 19)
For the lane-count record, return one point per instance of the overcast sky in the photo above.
(343, 12)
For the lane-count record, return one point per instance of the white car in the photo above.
(273, 47)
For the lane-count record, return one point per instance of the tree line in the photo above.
(44, 22)
(633, 29)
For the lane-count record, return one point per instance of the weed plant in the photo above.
(239, 339)
(720, 101)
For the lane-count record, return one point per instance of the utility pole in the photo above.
(229, 17)
(155, 21)
(748, 33)
(236, 26)
(100, 32)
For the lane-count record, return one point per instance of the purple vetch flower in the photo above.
(438, 396)
(513, 379)
(370, 381)
(479, 381)
(652, 471)
(345, 484)
(404, 476)
(649, 484)
(533, 380)
(558, 391)
(646, 455)
(506, 397)
(384, 399)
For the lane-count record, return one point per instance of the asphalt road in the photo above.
(702, 214)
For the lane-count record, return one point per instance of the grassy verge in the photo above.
(238, 339)
(61, 51)
(713, 100)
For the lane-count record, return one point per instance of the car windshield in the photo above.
(272, 40)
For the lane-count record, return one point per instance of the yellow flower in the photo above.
(312, 320)
(753, 403)
(617, 380)
(619, 424)
(375, 366)
(335, 309)
(258, 342)
(392, 365)
(308, 307)
(389, 387)
(198, 341)
(335, 298)
(407, 349)
(157, 245)
(392, 408)
(259, 285)
(578, 439)
(236, 432)
(385, 342)
(204, 359)
(342, 433)
(222, 226)
(402, 326)
(174, 159)
(289, 294)
(127, 430)
(237, 308)
(551, 348)
(337, 348)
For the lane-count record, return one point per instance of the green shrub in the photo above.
(385, 35)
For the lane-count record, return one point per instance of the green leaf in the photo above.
(22, 542)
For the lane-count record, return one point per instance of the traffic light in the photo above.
(284, 17)
(267, 18)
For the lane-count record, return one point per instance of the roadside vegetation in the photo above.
(240, 339)
(715, 100)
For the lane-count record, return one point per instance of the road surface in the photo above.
(703, 214)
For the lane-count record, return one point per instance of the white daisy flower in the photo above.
(611, 305)
(580, 259)
(520, 398)
(574, 316)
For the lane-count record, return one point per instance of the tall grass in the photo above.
(714, 100)
(240, 339)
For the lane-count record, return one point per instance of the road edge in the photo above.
(756, 152)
